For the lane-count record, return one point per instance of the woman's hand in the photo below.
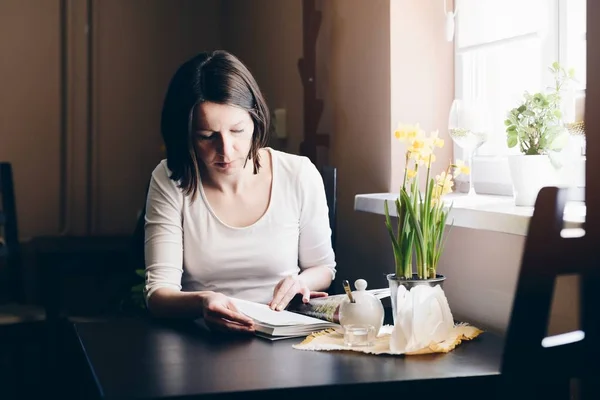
(287, 288)
(221, 314)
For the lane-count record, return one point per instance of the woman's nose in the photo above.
(226, 145)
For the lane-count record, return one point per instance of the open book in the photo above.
(298, 319)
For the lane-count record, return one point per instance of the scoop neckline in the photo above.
(271, 196)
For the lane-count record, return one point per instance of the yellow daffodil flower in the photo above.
(461, 168)
(406, 132)
(415, 132)
(427, 159)
(444, 181)
(427, 217)
(434, 140)
(416, 146)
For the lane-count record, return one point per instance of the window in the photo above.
(504, 47)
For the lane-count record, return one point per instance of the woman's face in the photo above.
(222, 135)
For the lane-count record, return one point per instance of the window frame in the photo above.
(491, 173)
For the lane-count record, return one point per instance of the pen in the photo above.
(348, 291)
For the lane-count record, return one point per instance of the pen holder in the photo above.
(356, 318)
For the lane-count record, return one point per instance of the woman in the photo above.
(225, 215)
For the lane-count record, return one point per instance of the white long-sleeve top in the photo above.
(187, 247)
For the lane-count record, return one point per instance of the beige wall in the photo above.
(136, 46)
(30, 109)
(482, 269)
(267, 36)
(422, 76)
(357, 104)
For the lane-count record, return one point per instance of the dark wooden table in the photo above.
(152, 359)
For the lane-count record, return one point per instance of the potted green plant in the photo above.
(421, 215)
(535, 127)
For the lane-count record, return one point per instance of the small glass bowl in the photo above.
(359, 335)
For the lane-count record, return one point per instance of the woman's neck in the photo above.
(237, 183)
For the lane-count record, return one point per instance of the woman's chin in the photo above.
(226, 168)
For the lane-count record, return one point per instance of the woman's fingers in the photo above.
(305, 294)
(221, 324)
(286, 285)
(220, 311)
(288, 296)
(289, 287)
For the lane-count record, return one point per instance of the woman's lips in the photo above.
(223, 164)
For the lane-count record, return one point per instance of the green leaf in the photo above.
(407, 249)
(388, 222)
(401, 212)
(511, 141)
(558, 141)
(398, 242)
(414, 221)
(137, 288)
(528, 113)
(141, 273)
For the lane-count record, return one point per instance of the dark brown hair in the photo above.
(217, 77)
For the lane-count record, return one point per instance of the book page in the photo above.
(262, 313)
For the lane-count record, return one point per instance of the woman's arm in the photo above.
(314, 247)
(163, 250)
(166, 303)
(317, 278)
(218, 310)
(163, 244)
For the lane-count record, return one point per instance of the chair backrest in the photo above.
(531, 359)
(329, 175)
(10, 254)
(138, 237)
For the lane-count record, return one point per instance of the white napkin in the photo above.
(423, 317)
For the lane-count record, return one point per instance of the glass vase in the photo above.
(395, 282)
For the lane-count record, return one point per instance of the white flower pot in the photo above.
(529, 174)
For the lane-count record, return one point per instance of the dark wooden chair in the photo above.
(534, 365)
(329, 175)
(22, 326)
(12, 309)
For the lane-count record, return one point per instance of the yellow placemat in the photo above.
(330, 339)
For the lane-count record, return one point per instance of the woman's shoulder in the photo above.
(161, 171)
(291, 164)
(297, 171)
(162, 175)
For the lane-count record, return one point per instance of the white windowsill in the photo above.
(486, 212)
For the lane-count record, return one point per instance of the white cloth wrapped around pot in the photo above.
(423, 317)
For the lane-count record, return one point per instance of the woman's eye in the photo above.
(237, 130)
(202, 137)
